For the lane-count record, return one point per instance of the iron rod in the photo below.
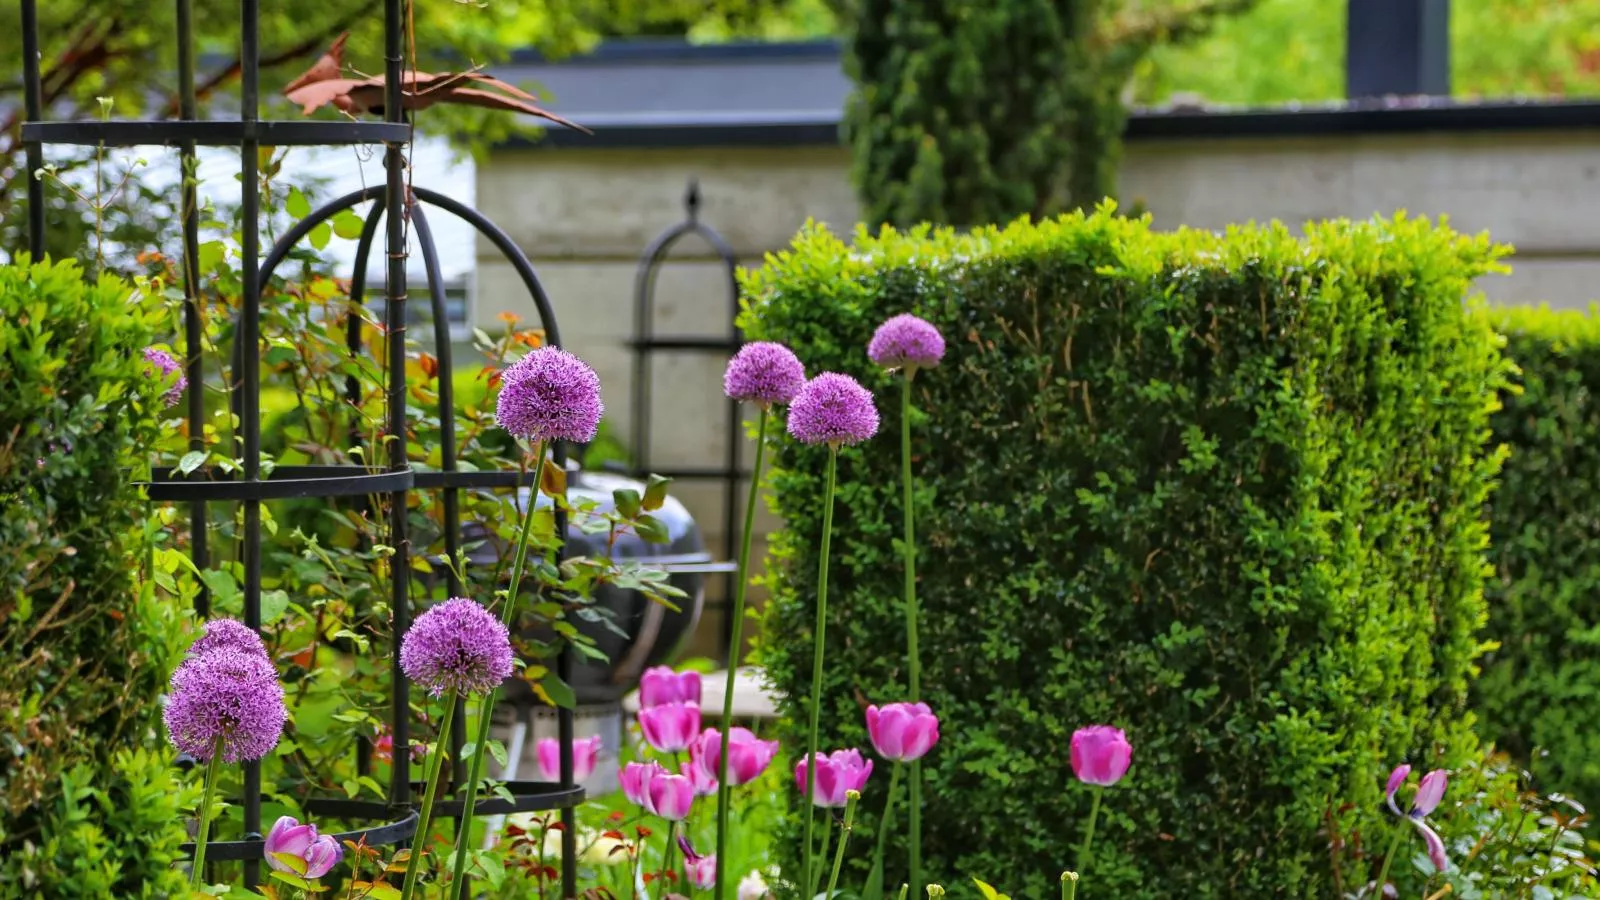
(250, 345)
(33, 108)
(193, 344)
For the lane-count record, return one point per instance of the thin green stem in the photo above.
(1069, 885)
(851, 798)
(667, 855)
(213, 767)
(814, 878)
(914, 658)
(430, 789)
(486, 711)
(888, 817)
(741, 583)
(1383, 873)
(1088, 833)
(818, 642)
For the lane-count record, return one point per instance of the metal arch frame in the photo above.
(645, 344)
(248, 133)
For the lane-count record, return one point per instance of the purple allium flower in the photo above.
(457, 646)
(229, 633)
(550, 395)
(908, 342)
(229, 695)
(162, 361)
(833, 409)
(764, 373)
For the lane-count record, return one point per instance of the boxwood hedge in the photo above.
(1223, 490)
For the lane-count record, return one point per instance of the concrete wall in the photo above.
(585, 215)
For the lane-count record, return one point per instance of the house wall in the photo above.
(584, 216)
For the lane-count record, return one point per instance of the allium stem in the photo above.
(741, 582)
(486, 711)
(912, 614)
(197, 874)
(818, 642)
(877, 873)
(844, 838)
(1088, 834)
(430, 789)
(1383, 873)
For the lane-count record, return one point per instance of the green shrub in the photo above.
(87, 646)
(1224, 491)
(1539, 696)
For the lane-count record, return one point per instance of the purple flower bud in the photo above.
(293, 847)
(702, 870)
(833, 409)
(1100, 755)
(457, 647)
(161, 361)
(550, 395)
(764, 372)
(907, 342)
(226, 696)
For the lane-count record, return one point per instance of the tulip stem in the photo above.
(430, 789)
(851, 799)
(1088, 835)
(736, 638)
(666, 860)
(817, 641)
(814, 879)
(888, 816)
(1383, 873)
(912, 613)
(213, 765)
(486, 710)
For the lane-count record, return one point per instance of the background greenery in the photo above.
(1223, 491)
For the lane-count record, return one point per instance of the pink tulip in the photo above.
(1100, 755)
(702, 778)
(671, 796)
(670, 727)
(661, 685)
(636, 778)
(289, 842)
(702, 870)
(748, 756)
(903, 731)
(585, 753)
(843, 771)
(1430, 792)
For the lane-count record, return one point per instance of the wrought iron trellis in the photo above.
(251, 490)
(645, 344)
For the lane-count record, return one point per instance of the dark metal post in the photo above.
(1397, 47)
(33, 107)
(193, 346)
(249, 338)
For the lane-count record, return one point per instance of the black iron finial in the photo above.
(691, 199)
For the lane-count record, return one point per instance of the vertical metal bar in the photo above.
(33, 108)
(730, 482)
(564, 723)
(192, 342)
(249, 338)
(395, 324)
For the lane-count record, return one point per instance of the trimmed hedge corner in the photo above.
(1539, 695)
(1224, 491)
(86, 809)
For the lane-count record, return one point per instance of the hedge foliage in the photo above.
(1540, 690)
(1225, 491)
(88, 806)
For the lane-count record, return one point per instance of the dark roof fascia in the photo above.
(667, 50)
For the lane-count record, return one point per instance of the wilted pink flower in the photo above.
(843, 770)
(1100, 755)
(764, 372)
(833, 409)
(748, 755)
(660, 685)
(908, 342)
(159, 360)
(902, 731)
(636, 778)
(585, 752)
(293, 847)
(550, 395)
(702, 870)
(1430, 791)
(670, 727)
(671, 796)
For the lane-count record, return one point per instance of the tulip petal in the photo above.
(1396, 779)
(1429, 793)
(1435, 844)
(322, 856)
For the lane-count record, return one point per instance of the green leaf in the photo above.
(191, 461)
(627, 501)
(655, 492)
(558, 691)
(382, 891)
(493, 869)
(988, 892)
(498, 751)
(347, 225)
(320, 235)
(294, 862)
(273, 605)
(651, 529)
(296, 204)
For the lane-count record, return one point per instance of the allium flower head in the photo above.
(230, 633)
(457, 646)
(764, 372)
(162, 362)
(550, 395)
(833, 409)
(226, 695)
(908, 342)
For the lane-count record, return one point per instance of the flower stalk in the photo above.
(202, 833)
(914, 659)
(875, 879)
(851, 798)
(1088, 834)
(430, 787)
(818, 641)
